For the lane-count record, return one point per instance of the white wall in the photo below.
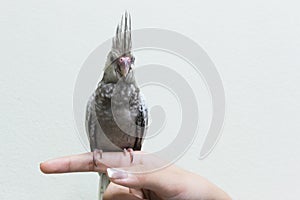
(255, 46)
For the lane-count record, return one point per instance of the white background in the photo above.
(254, 44)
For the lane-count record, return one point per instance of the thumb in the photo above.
(157, 181)
(122, 176)
(144, 172)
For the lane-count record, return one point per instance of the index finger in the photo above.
(75, 163)
(85, 163)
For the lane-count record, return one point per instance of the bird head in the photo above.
(120, 59)
(125, 64)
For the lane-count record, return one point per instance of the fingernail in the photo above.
(116, 174)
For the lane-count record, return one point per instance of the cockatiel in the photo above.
(116, 115)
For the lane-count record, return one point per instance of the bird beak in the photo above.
(125, 69)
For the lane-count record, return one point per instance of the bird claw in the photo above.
(97, 155)
(130, 151)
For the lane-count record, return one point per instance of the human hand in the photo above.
(170, 183)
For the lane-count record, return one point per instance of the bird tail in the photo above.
(103, 183)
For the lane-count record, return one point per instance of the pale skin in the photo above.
(168, 183)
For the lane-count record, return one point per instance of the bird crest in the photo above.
(121, 42)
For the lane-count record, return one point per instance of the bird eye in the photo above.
(121, 59)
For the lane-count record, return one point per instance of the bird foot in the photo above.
(130, 151)
(97, 155)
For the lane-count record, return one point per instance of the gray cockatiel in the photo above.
(116, 115)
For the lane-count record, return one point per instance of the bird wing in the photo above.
(141, 121)
(91, 122)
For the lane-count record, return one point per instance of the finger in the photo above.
(158, 181)
(117, 192)
(136, 192)
(122, 176)
(75, 163)
(84, 162)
